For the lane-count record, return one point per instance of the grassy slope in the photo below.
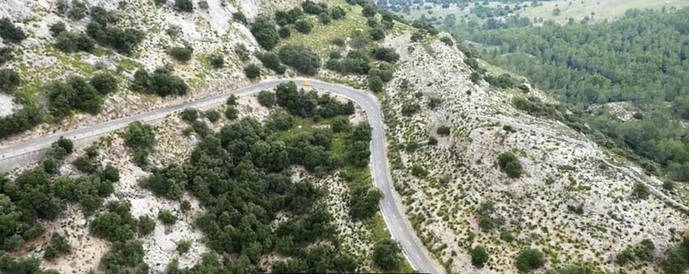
(321, 35)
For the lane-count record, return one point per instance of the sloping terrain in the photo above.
(568, 201)
(208, 31)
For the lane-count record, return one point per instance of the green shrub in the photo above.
(57, 28)
(239, 17)
(311, 7)
(6, 55)
(529, 259)
(212, 115)
(9, 32)
(377, 33)
(264, 31)
(9, 80)
(364, 202)
(184, 5)
(410, 109)
(443, 130)
(504, 81)
(284, 32)
(510, 165)
(303, 26)
(183, 246)
(266, 98)
(140, 136)
(70, 42)
(479, 256)
(146, 225)
(167, 217)
(76, 93)
(338, 13)
(252, 71)
(271, 61)
(300, 58)
(182, 54)
(641, 191)
(418, 171)
(386, 254)
(124, 257)
(104, 82)
(375, 84)
(122, 40)
(189, 115)
(58, 245)
(338, 41)
(369, 10)
(385, 54)
(161, 82)
(231, 113)
(216, 60)
(417, 36)
(21, 120)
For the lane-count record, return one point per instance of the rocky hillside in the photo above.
(456, 143)
(208, 29)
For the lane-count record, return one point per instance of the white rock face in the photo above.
(6, 105)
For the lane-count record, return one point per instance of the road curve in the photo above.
(24, 153)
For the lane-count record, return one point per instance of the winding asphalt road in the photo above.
(16, 155)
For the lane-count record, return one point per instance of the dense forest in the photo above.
(642, 59)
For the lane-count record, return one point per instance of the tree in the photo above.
(386, 254)
(266, 98)
(161, 82)
(300, 58)
(364, 201)
(479, 256)
(510, 165)
(9, 32)
(264, 31)
(529, 259)
(252, 71)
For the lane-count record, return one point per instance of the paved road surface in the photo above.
(20, 154)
